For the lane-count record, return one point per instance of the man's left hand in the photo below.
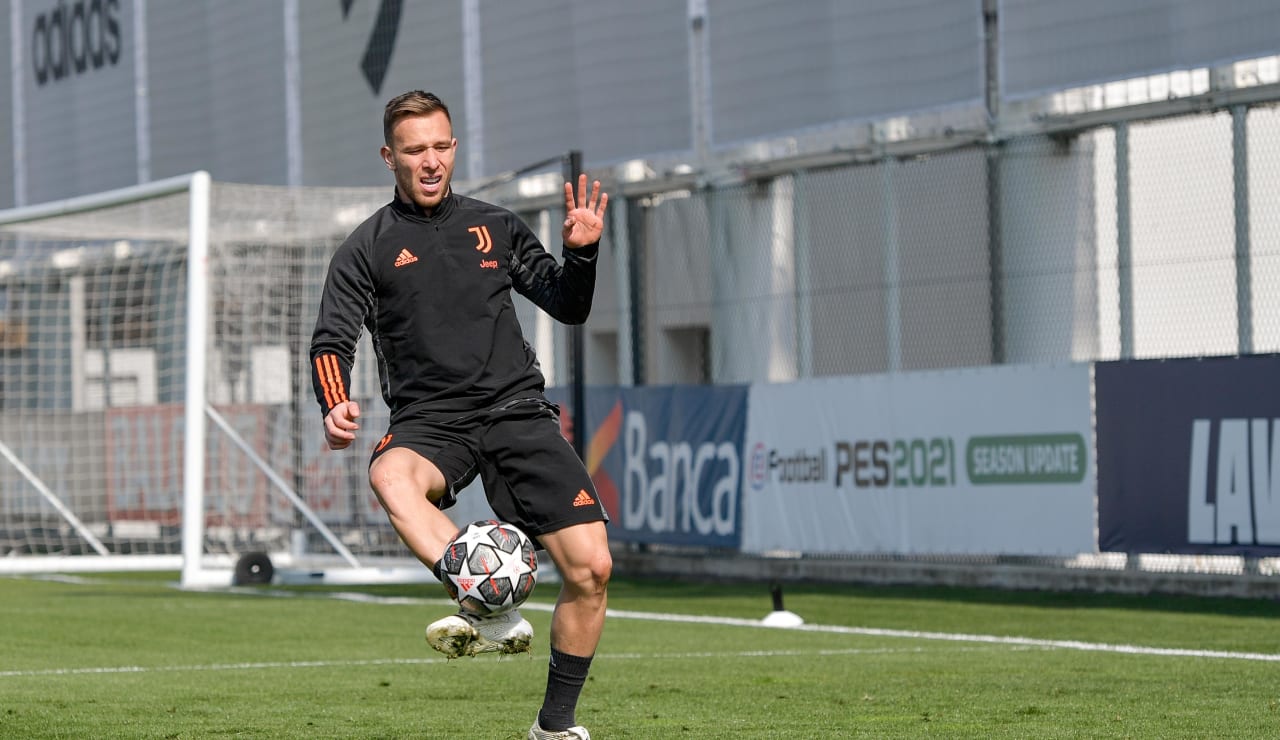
(584, 218)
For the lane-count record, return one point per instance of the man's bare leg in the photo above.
(408, 485)
(581, 554)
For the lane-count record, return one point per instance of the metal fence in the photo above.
(1145, 235)
(1134, 239)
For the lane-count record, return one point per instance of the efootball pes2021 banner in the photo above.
(1189, 456)
(667, 461)
(983, 461)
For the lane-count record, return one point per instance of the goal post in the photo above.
(193, 527)
(155, 399)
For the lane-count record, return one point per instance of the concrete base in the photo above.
(995, 575)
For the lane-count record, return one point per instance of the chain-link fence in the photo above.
(1134, 238)
(1139, 239)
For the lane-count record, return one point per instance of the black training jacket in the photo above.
(434, 292)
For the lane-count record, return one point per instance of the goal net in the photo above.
(153, 364)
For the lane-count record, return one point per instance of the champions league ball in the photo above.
(489, 568)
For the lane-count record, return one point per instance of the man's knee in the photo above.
(386, 478)
(400, 472)
(590, 576)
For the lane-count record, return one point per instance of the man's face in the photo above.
(421, 156)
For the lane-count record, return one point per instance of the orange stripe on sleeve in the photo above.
(335, 373)
(324, 382)
(330, 376)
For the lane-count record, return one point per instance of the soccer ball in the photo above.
(489, 568)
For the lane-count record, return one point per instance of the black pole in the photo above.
(637, 238)
(578, 395)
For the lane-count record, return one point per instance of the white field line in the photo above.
(1020, 642)
(918, 635)
(430, 661)
(959, 637)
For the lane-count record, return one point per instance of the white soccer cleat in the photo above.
(578, 732)
(467, 634)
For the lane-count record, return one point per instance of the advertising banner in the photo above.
(1189, 456)
(667, 461)
(64, 452)
(144, 461)
(984, 461)
(334, 484)
(77, 89)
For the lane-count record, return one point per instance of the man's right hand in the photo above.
(340, 425)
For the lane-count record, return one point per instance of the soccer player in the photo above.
(429, 276)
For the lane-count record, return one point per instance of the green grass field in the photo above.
(130, 656)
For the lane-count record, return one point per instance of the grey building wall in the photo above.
(77, 102)
(609, 78)
(290, 91)
(846, 269)
(780, 66)
(6, 111)
(945, 300)
(1049, 45)
(216, 90)
(348, 70)
(865, 268)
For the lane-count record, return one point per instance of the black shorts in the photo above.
(532, 476)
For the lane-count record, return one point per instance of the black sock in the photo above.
(565, 676)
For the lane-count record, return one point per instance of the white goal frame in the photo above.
(198, 568)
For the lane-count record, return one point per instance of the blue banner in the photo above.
(1189, 456)
(667, 461)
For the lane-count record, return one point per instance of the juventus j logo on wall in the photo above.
(382, 41)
